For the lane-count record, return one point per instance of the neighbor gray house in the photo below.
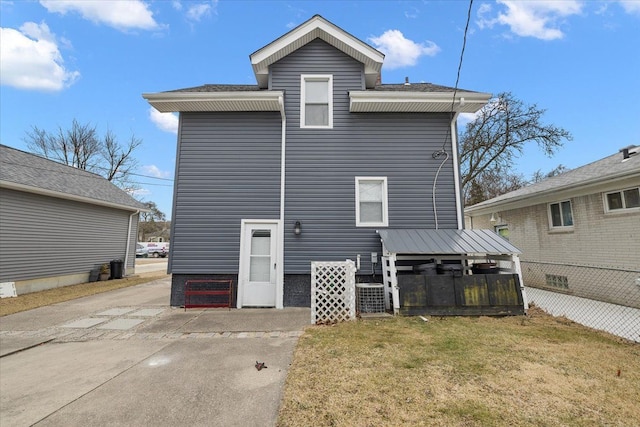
(579, 232)
(307, 165)
(58, 223)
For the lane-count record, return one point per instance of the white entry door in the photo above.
(259, 256)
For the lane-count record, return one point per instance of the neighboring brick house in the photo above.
(58, 223)
(306, 165)
(579, 232)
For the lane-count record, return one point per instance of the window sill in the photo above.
(617, 212)
(561, 230)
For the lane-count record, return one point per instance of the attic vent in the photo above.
(628, 152)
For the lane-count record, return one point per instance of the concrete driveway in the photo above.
(126, 358)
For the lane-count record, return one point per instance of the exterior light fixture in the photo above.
(493, 218)
(297, 228)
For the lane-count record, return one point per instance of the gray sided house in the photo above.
(307, 165)
(58, 223)
(579, 232)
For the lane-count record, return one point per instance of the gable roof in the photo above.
(316, 27)
(586, 179)
(34, 174)
(375, 98)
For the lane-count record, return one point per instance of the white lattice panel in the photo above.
(333, 292)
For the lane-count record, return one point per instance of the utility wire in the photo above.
(443, 151)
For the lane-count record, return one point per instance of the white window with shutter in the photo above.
(371, 202)
(316, 101)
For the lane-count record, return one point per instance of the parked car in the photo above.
(156, 249)
(141, 251)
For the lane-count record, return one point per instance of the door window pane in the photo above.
(260, 257)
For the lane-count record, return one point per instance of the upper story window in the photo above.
(316, 101)
(560, 215)
(371, 202)
(623, 200)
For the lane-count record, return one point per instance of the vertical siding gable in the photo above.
(229, 169)
(322, 163)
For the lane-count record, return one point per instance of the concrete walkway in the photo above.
(126, 358)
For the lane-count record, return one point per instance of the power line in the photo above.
(448, 136)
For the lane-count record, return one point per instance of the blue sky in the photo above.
(92, 60)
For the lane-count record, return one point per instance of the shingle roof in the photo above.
(400, 87)
(414, 87)
(609, 168)
(220, 88)
(30, 172)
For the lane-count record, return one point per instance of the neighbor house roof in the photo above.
(377, 97)
(445, 242)
(611, 171)
(34, 174)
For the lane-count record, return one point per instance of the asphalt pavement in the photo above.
(125, 358)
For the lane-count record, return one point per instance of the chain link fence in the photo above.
(602, 298)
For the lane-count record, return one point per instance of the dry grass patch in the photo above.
(66, 293)
(462, 371)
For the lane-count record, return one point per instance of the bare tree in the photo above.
(498, 135)
(81, 147)
(492, 183)
(540, 176)
(151, 222)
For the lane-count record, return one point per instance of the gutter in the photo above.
(456, 168)
(537, 197)
(126, 253)
(59, 195)
(283, 153)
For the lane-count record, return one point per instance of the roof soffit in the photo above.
(166, 102)
(316, 27)
(416, 102)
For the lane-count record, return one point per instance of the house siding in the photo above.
(229, 170)
(46, 237)
(322, 165)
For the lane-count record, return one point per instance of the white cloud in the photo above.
(30, 59)
(153, 170)
(538, 19)
(138, 193)
(401, 52)
(465, 118)
(631, 6)
(120, 14)
(167, 122)
(197, 11)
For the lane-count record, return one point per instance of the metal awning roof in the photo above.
(424, 241)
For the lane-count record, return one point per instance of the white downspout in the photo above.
(280, 278)
(126, 252)
(456, 167)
